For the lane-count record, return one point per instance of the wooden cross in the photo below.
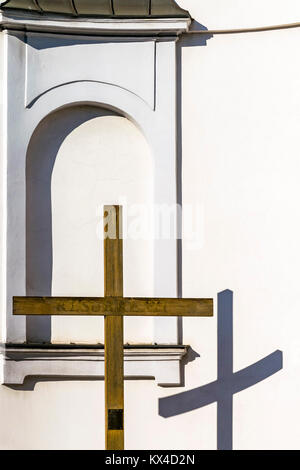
(113, 307)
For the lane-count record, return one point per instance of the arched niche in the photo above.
(80, 158)
(158, 126)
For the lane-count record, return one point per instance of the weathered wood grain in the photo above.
(113, 306)
(113, 326)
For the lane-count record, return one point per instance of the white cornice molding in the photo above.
(58, 24)
(162, 364)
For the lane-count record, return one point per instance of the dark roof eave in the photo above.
(103, 9)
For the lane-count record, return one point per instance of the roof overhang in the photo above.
(135, 17)
(100, 8)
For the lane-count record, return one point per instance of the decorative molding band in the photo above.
(132, 64)
(159, 362)
(94, 26)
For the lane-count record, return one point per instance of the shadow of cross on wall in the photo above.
(228, 382)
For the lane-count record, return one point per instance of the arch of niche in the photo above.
(133, 75)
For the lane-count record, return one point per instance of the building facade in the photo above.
(193, 128)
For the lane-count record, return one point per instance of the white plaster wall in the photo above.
(99, 158)
(56, 415)
(241, 163)
(240, 114)
(104, 160)
(158, 125)
(216, 14)
(2, 145)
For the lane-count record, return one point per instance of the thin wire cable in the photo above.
(112, 6)
(246, 30)
(38, 6)
(73, 7)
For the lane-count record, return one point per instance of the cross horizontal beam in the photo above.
(112, 306)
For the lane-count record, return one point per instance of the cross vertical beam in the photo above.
(113, 327)
(113, 307)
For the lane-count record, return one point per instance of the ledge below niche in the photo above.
(159, 362)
